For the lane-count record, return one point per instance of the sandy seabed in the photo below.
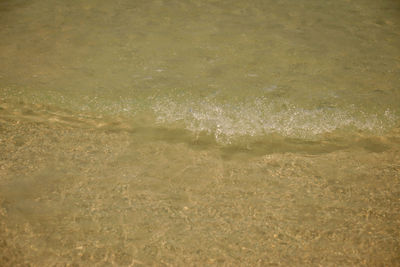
(72, 195)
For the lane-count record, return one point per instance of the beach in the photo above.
(79, 195)
(197, 133)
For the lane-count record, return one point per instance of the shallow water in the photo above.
(231, 69)
(199, 132)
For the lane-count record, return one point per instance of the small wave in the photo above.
(260, 116)
(228, 119)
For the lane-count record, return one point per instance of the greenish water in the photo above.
(137, 127)
(296, 69)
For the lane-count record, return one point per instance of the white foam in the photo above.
(261, 116)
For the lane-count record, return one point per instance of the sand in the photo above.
(75, 194)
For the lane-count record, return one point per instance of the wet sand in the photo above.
(75, 195)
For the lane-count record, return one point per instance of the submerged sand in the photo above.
(74, 195)
(81, 185)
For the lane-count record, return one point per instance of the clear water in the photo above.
(188, 85)
(230, 69)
